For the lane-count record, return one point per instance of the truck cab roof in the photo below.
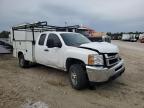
(57, 32)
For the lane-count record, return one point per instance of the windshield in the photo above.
(83, 32)
(74, 39)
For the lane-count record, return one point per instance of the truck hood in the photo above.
(102, 47)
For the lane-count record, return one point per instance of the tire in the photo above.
(78, 77)
(22, 62)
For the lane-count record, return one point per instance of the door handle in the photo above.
(46, 50)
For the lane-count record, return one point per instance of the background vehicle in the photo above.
(129, 37)
(141, 38)
(85, 61)
(125, 37)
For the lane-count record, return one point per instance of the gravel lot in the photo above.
(42, 84)
(3, 50)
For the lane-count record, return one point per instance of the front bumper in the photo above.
(100, 74)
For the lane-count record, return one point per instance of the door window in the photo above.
(42, 39)
(53, 37)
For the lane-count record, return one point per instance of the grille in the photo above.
(111, 54)
(111, 59)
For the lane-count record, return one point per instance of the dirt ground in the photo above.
(40, 83)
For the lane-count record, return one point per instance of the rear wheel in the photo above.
(78, 77)
(22, 62)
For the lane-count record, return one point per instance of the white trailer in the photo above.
(129, 37)
(125, 37)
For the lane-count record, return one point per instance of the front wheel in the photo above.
(78, 76)
(22, 62)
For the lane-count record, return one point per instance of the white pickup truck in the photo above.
(87, 62)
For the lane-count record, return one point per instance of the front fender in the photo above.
(78, 53)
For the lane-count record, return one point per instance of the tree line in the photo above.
(4, 34)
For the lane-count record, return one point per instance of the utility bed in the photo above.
(24, 40)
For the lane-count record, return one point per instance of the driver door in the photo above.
(52, 54)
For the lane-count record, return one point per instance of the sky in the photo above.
(101, 15)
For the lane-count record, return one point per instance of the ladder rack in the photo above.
(41, 27)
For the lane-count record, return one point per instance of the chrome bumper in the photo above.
(99, 74)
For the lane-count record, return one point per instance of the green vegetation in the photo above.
(4, 34)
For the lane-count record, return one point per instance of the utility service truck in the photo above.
(87, 62)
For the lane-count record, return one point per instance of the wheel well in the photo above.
(19, 53)
(71, 61)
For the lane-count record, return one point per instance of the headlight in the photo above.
(95, 59)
